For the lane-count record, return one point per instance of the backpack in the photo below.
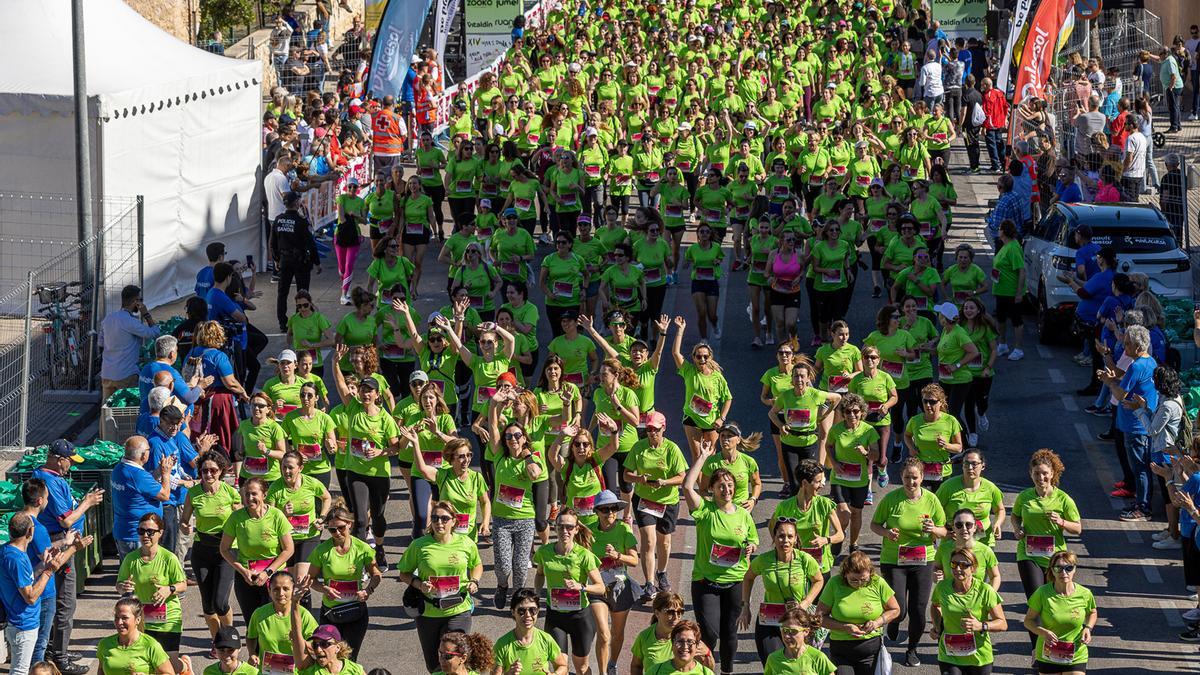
(978, 117)
(1186, 433)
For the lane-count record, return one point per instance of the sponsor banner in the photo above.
(1020, 14)
(321, 203)
(961, 18)
(489, 30)
(394, 45)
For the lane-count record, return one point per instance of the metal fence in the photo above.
(53, 293)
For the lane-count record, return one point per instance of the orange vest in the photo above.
(423, 105)
(387, 140)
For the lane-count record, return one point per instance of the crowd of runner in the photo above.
(627, 149)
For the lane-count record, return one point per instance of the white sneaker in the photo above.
(717, 331)
(345, 299)
(1016, 355)
(1161, 535)
(748, 314)
(972, 440)
(984, 423)
(1168, 544)
(1001, 349)
(770, 338)
(1192, 615)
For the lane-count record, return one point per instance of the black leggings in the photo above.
(1033, 577)
(956, 396)
(654, 304)
(541, 505)
(462, 210)
(792, 456)
(353, 632)
(854, 657)
(438, 194)
(977, 401)
(579, 626)
(827, 305)
(614, 477)
(420, 492)
(951, 669)
(249, 597)
(430, 631)
(717, 611)
(814, 312)
(911, 400)
(396, 373)
(767, 639)
(554, 314)
(214, 576)
(913, 585)
(368, 497)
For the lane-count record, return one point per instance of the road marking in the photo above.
(1131, 534)
(1085, 434)
(1171, 613)
(1044, 352)
(1149, 569)
(1056, 376)
(1069, 403)
(726, 264)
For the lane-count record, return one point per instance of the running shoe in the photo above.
(1097, 410)
(500, 599)
(1192, 615)
(648, 592)
(717, 332)
(770, 339)
(984, 424)
(671, 281)
(881, 477)
(1107, 435)
(1121, 493)
(1190, 635)
(662, 582)
(877, 292)
(870, 500)
(1161, 534)
(1001, 349)
(1134, 515)
(756, 344)
(972, 440)
(1168, 544)
(910, 658)
(1016, 355)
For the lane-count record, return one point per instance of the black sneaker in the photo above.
(661, 581)
(910, 658)
(877, 292)
(648, 592)
(501, 598)
(68, 668)
(381, 559)
(1107, 435)
(1191, 635)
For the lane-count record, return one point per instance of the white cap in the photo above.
(751, 125)
(947, 309)
(356, 101)
(685, 126)
(591, 131)
(287, 355)
(574, 67)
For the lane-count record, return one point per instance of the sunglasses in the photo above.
(146, 532)
(895, 316)
(961, 564)
(322, 644)
(567, 526)
(671, 612)
(337, 528)
(449, 655)
(260, 406)
(1064, 569)
(607, 509)
(467, 456)
(442, 518)
(563, 242)
(791, 630)
(210, 470)
(526, 611)
(964, 525)
(508, 436)
(783, 352)
(930, 401)
(303, 305)
(487, 342)
(702, 357)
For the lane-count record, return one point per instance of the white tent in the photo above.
(174, 123)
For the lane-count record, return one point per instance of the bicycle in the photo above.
(62, 311)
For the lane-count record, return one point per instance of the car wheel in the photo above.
(1050, 331)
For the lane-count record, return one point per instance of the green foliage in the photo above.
(225, 14)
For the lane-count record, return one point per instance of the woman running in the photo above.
(966, 611)
(264, 545)
(313, 434)
(970, 490)
(964, 536)
(305, 502)
(1062, 614)
(855, 605)
(791, 581)
(706, 394)
(211, 502)
(337, 570)
(154, 576)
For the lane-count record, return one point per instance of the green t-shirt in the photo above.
(837, 364)
(1042, 537)
(274, 631)
(956, 645)
(556, 568)
(574, 354)
(925, 436)
(951, 350)
(850, 467)
(983, 501)
(811, 661)
(355, 332)
(348, 668)
(833, 259)
(890, 361)
(564, 279)
(875, 390)
(800, 413)
(341, 571)
(621, 537)
(705, 262)
(257, 539)
(665, 461)
(855, 605)
(447, 567)
(627, 434)
(721, 539)
(211, 511)
(304, 501)
(242, 669)
(624, 287)
(1006, 270)
(811, 523)
(652, 257)
(922, 331)
(897, 511)
(929, 276)
(484, 374)
(463, 494)
(651, 650)
(703, 394)
(505, 246)
(668, 668)
(307, 331)
(513, 496)
(536, 657)
(145, 655)
(963, 283)
(308, 437)
(1065, 616)
(785, 582)
(984, 555)
(257, 462)
(387, 276)
(366, 432)
(742, 467)
(164, 569)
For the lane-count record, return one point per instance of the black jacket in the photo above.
(292, 240)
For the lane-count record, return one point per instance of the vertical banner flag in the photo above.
(372, 14)
(1020, 14)
(489, 30)
(961, 18)
(444, 15)
(394, 46)
(1048, 30)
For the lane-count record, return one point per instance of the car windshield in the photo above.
(1127, 240)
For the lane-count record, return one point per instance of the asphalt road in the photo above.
(1139, 590)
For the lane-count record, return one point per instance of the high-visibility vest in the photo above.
(423, 105)
(387, 139)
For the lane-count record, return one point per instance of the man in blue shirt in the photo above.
(168, 440)
(1138, 379)
(21, 594)
(121, 335)
(229, 308)
(136, 492)
(166, 352)
(35, 497)
(215, 252)
(63, 513)
(1008, 207)
(1086, 266)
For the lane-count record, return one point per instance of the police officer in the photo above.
(295, 253)
(63, 513)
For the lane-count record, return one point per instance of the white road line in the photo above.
(725, 266)
(1131, 534)
(1171, 614)
(1085, 434)
(1056, 376)
(1044, 352)
(1151, 572)
(1069, 403)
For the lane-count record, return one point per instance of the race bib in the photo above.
(300, 524)
(484, 394)
(347, 590)
(926, 230)
(863, 181)
(912, 555)
(512, 497)
(476, 301)
(510, 268)
(652, 176)
(1039, 546)
(309, 451)
(653, 274)
(574, 378)
(815, 552)
(706, 274)
(839, 383)
(893, 368)
(815, 181)
(359, 447)
(523, 204)
(975, 362)
(256, 466)
(154, 613)
(849, 471)
(433, 459)
(995, 274)
(278, 664)
(504, 184)
(444, 587)
(876, 224)
(568, 199)
(426, 172)
(624, 294)
(393, 352)
(922, 302)
(674, 211)
(585, 506)
(874, 406)
(908, 172)
(684, 165)
(462, 186)
(260, 565)
(565, 600)
(771, 613)
(958, 644)
(282, 408)
(944, 371)
(592, 170)
(637, 137)
(414, 228)
(533, 138)
(652, 508)
(759, 265)
(959, 296)
(932, 470)
(724, 556)
(798, 418)
(839, 170)
(564, 289)
(780, 192)
(712, 216)
(940, 137)
(621, 178)
(462, 523)
(742, 211)
(1059, 651)
(834, 277)
(700, 405)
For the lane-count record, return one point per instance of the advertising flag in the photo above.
(399, 30)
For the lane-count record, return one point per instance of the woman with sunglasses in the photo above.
(838, 361)
(785, 271)
(970, 490)
(686, 649)
(486, 366)
(211, 501)
(516, 509)
(732, 456)
(966, 611)
(373, 437)
(706, 394)
(899, 254)
(704, 258)
(657, 259)
(415, 215)
(965, 536)
(1042, 516)
(479, 279)
(433, 427)
(896, 349)
(674, 201)
(431, 160)
(983, 331)
(776, 380)
(578, 460)
(647, 166)
(526, 644)
(856, 448)
(656, 467)
(963, 279)
(305, 502)
(919, 281)
(803, 414)
(570, 573)
(726, 539)
(578, 353)
(337, 568)
(560, 404)
(520, 206)
(818, 527)
(744, 193)
(264, 545)
(881, 214)
(461, 486)
(512, 248)
(791, 581)
(761, 244)
(465, 654)
(913, 156)
(323, 651)
(444, 567)
(388, 270)
(855, 605)
(830, 267)
(563, 278)
(623, 285)
(131, 649)
(1062, 614)
(463, 172)
(795, 655)
(933, 436)
(309, 331)
(154, 576)
(931, 218)
(615, 546)
(814, 166)
(617, 401)
(652, 646)
(357, 328)
(263, 440)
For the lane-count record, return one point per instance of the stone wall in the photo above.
(173, 16)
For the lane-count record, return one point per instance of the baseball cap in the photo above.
(510, 212)
(418, 376)
(685, 126)
(227, 637)
(64, 448)
(507, 377)
(286, 355)
(369, 383)
(327, 633)
(656, 420)
(485, 203)
(352, 181)
(730, 428)
(608, 498)
(947, 309)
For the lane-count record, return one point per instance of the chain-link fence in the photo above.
(54, 290)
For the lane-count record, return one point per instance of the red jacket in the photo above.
(995, 106)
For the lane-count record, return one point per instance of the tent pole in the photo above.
(83, 159)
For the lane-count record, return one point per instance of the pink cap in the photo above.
(656, 420)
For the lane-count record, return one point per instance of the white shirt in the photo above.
(1135, 149)
(930, 80)
(276, 185)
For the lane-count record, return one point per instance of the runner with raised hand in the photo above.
(707, 398)
(803, 414)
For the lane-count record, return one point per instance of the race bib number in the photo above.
(863, 181)
(565, 600)
(926, 230)
(309, 451)
(839, 170)
(653, 274)
(759, 265)
(1039, 546)
(624, 294)
(932, 470)
(912, 555)
(256, 466)
(958, 644)
(484, 394)
(706, 274)
(834, 277)
(282, 408)
(839, 383)
(637, 137)
(798, 418)
(815, 181)
(724, 556)
(512, 497)
(621, 179)
(674, 211)
(893, 368)
(712, 216)
(574, 378)
(462, 186)
(684, 165)
(849, 471)
(700, 405)
(568, 199)
(940, 137)
(585, 506)
(533, 138)
(564, 289)
(346, 590)
(876, 224)
(462, 523)
(433, 459)
(592, 170)
(523, 204)
(154, 613)
(510, 268)
(414, 228)
(652, 508)
(1059, 651)
(359, 447)
(652, 176)
(771, 613)
(444, 587)
(260, 565)
(426, 172)
(780, 192)
(278, 664)
(742, 212)
(300, 524)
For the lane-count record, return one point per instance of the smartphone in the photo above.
(249, 261)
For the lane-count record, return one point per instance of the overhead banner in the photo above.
(394, 45)
(445, 12)
(1020, 14)
(961, 18)
(1048, 31)
(489, 30)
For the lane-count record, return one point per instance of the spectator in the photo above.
(215, 252)
(136, 492)
(1009, 207)
(1171, 195)
(295, 253)
(972, 102)
(21, 594)
(1087, 124)
(1172, 83)
(168, 440)
(980, 66)
(1163, 429)
(295, 69)
(1143, 109)
(1109, 105)
(1106, 187)
(229, 310)
(1086, 266)
(929, 80)
(1095, 75)
(1024, 180)
(215, 44)
(166, 353)
(1138, 380)
(995, 107)
(1192, 45)
(1133, 176)
(1066, 188)
(195, 311)
(281, 40)
(1118, 129)
(121, 336)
